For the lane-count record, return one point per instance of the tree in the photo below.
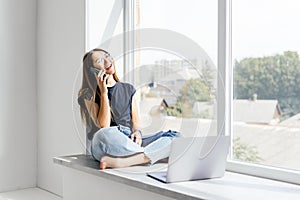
(192, 91)
(197, 89)
(272, 77)
(243, 152)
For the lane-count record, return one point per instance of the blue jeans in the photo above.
(115, 141)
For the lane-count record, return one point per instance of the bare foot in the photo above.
(102, 164)
(111, 162)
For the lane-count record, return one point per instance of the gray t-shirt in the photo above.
(120, 96)
(120, 100)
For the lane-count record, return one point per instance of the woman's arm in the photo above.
(101, 118)
(135, 113)
(104, 115)
(137, 134)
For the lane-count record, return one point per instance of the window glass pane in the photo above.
(197, 20)
(98, 18)
(177, 91)
(266, 104)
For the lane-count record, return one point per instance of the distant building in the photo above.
(170, 73)
(256, 111)
(176, 80)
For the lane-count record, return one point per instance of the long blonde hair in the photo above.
(89, 88)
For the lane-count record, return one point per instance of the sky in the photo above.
(259, 27)
(265, 27)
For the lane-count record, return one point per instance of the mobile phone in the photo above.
(94, 70)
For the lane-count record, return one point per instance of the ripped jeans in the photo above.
(115, 141)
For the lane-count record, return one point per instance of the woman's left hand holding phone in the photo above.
(101, 78)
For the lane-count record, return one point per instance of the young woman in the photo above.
(109, 111)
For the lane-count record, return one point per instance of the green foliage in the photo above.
(198, 89)
(243, 152)
(272, 77)
(176, 111)
(193, 90)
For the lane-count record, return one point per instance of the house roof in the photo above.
(292, 121)
(170, 101)
(258, 111)
(276, 145)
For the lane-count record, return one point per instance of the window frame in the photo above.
(225, 69)
(129, 21)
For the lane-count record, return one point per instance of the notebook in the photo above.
(195, 158)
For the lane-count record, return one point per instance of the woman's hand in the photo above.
(101, 78)
(136, 136)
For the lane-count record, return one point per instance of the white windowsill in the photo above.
(269, 172)
(231, 186)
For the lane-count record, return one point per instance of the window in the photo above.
(177, 87)
(266, 72)
(253, 46)
(254, 39)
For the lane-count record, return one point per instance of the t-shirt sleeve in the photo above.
(132, 90)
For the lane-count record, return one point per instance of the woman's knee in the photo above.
(104, 134)
(100, 143)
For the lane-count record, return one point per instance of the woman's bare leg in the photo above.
(111, 162)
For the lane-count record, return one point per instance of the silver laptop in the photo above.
(195, 158)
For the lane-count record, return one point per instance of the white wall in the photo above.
(42, 44)
(18, 127)
(61, 41)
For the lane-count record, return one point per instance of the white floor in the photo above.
(29, 194)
